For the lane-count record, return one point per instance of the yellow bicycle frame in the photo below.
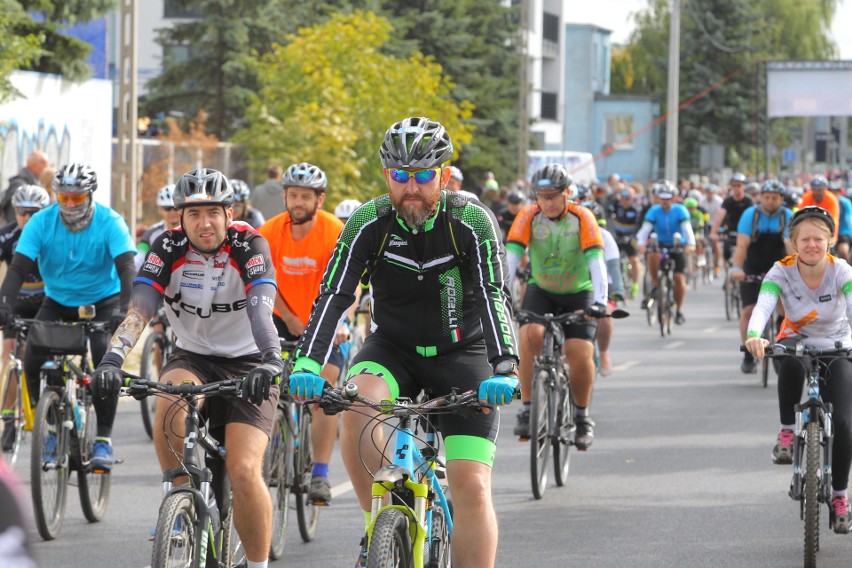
(416, 529)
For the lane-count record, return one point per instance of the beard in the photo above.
(416, 213)
(302, 218)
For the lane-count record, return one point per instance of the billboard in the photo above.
(581, 165)
(809, 88)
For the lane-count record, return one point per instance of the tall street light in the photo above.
(673, 92)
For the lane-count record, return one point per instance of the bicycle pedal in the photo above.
(319, 503)
(522, 439)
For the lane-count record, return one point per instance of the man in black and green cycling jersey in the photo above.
(442, 319)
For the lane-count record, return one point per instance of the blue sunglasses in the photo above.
(420, 176)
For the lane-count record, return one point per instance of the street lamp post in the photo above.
(673, 92)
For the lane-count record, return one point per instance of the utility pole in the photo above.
(673, 93)
(523, 92)
(125, 195)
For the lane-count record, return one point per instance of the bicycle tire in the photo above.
(176, 534)
(565, 429)
(650, 308)
(738, 304)
(278, 471)
(727, 288)
(670, 306)
(540, 421)
(662, 309)
(232, 553)
(307, 513)
(769, 335)
(439, 542)
(49, 485)
(11, 376)
(390, 545)
(811, 493)
(149, 370)
(94, 487)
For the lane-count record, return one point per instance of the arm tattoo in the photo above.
(128, 332)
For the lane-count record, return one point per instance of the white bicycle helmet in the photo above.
(346, 208)
(165, 197)
(30, 197)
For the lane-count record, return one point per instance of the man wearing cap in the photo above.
(507, 211)
(626, 218)
(729, 215)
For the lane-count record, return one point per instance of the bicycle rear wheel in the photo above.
(49, 465)
(152, 350)
(811, 493)
(278, 470)
(306, 512)
(769, 335)
(177, 533)
(662, 307)
(94, 487)
(540, 420)
(390, 545)
(232, 553)
(728, 289)
(564, 431)
(12, 390)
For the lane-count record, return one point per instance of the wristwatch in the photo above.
(506, 367)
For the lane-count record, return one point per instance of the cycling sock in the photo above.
(581, 412)
(527, 405)
(368, 516)
(841, 493)
(790, 427)
(320, 469)
(10, 412)
(106, 439)
(262, 564)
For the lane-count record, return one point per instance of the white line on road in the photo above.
(674, 344)
(712, 329)
(342, 488)
(624, 366)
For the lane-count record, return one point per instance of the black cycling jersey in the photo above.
(152, 233)
(625, 220)
(735, 210)
(427, 297)
(32, 291)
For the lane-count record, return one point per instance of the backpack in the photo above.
(384, 210)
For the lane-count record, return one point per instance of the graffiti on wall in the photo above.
(17, 143)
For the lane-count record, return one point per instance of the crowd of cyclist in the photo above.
(258, 270)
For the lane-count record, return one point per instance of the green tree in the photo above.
(328, 95)
(16, 51)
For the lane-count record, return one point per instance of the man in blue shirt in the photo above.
(844, 229)
(762, 239)
(85, 255)
(666, 219)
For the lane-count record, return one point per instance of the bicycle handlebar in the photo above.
(135, 385)
(335, 400)
(525, 316)
(778, 350)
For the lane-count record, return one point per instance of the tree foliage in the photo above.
(721, 42)
(16, 51)
(328, 95)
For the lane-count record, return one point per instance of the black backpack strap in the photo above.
(754, 221)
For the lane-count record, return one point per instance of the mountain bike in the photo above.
(156, 350)
(288, 466)
(65, 423)
(625, 265)
(812, 445)
(733, 302)
(195, 525)
(662, 299)
(15, 393)
(415, 528)
(551, 406)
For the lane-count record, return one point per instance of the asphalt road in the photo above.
(679, 475)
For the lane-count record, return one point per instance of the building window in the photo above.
(617, 127)
(550, 28)
(548, 106)
(176, 9)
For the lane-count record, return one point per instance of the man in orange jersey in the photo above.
(819, 196)
(301, 241)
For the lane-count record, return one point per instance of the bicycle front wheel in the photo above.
(149, 369)
(49, 465)
(391, 545)
(439, 545)
(811, 494)
(232, 553)
(540, 406)
(13, 405)
(729, 296)
(662, 307)
(278, 470)
(306, 512)
(177, 533)
(94, 486)
(565, 429)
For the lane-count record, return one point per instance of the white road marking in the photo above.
(712, 329)
(674, 344)
(624, 366)
(345, 487)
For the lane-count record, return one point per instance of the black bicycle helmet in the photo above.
(203, 186)
(30, 197)
(305, 175)
(75, 178)
(773, 186)
(550, 177)
(597, 210)
(416, 143)
(813, 212)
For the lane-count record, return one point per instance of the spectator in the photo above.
(47, 182)
(266, 197)
(29, 175)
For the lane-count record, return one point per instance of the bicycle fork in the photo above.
(810, 410)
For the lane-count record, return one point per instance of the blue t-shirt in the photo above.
(77, 268)
(845, 228)
(667, 223)
(765, 223)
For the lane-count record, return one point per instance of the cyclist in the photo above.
(301, 241)
(819, 196)
(73, 242)
(626, 217)
(216, 278)
(26, 202)
(728, 216)
(441, 319)
(667, 218)
(508, 211)
(567, 274)
(762, 239)
(170, 218)
(242, 210)
(815, 289)
(698, 221)
(844, 228)
(346, 208)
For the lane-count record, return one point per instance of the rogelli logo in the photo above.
(503, 318)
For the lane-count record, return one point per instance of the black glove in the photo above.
(257, 384)
(108, 378)
(596, 311)
(116, 318)
(6, 315)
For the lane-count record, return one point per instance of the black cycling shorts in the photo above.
(540, 302)
(749, 292)
(467, 435)
(222, 410)
(844, 239)
(626, 245)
